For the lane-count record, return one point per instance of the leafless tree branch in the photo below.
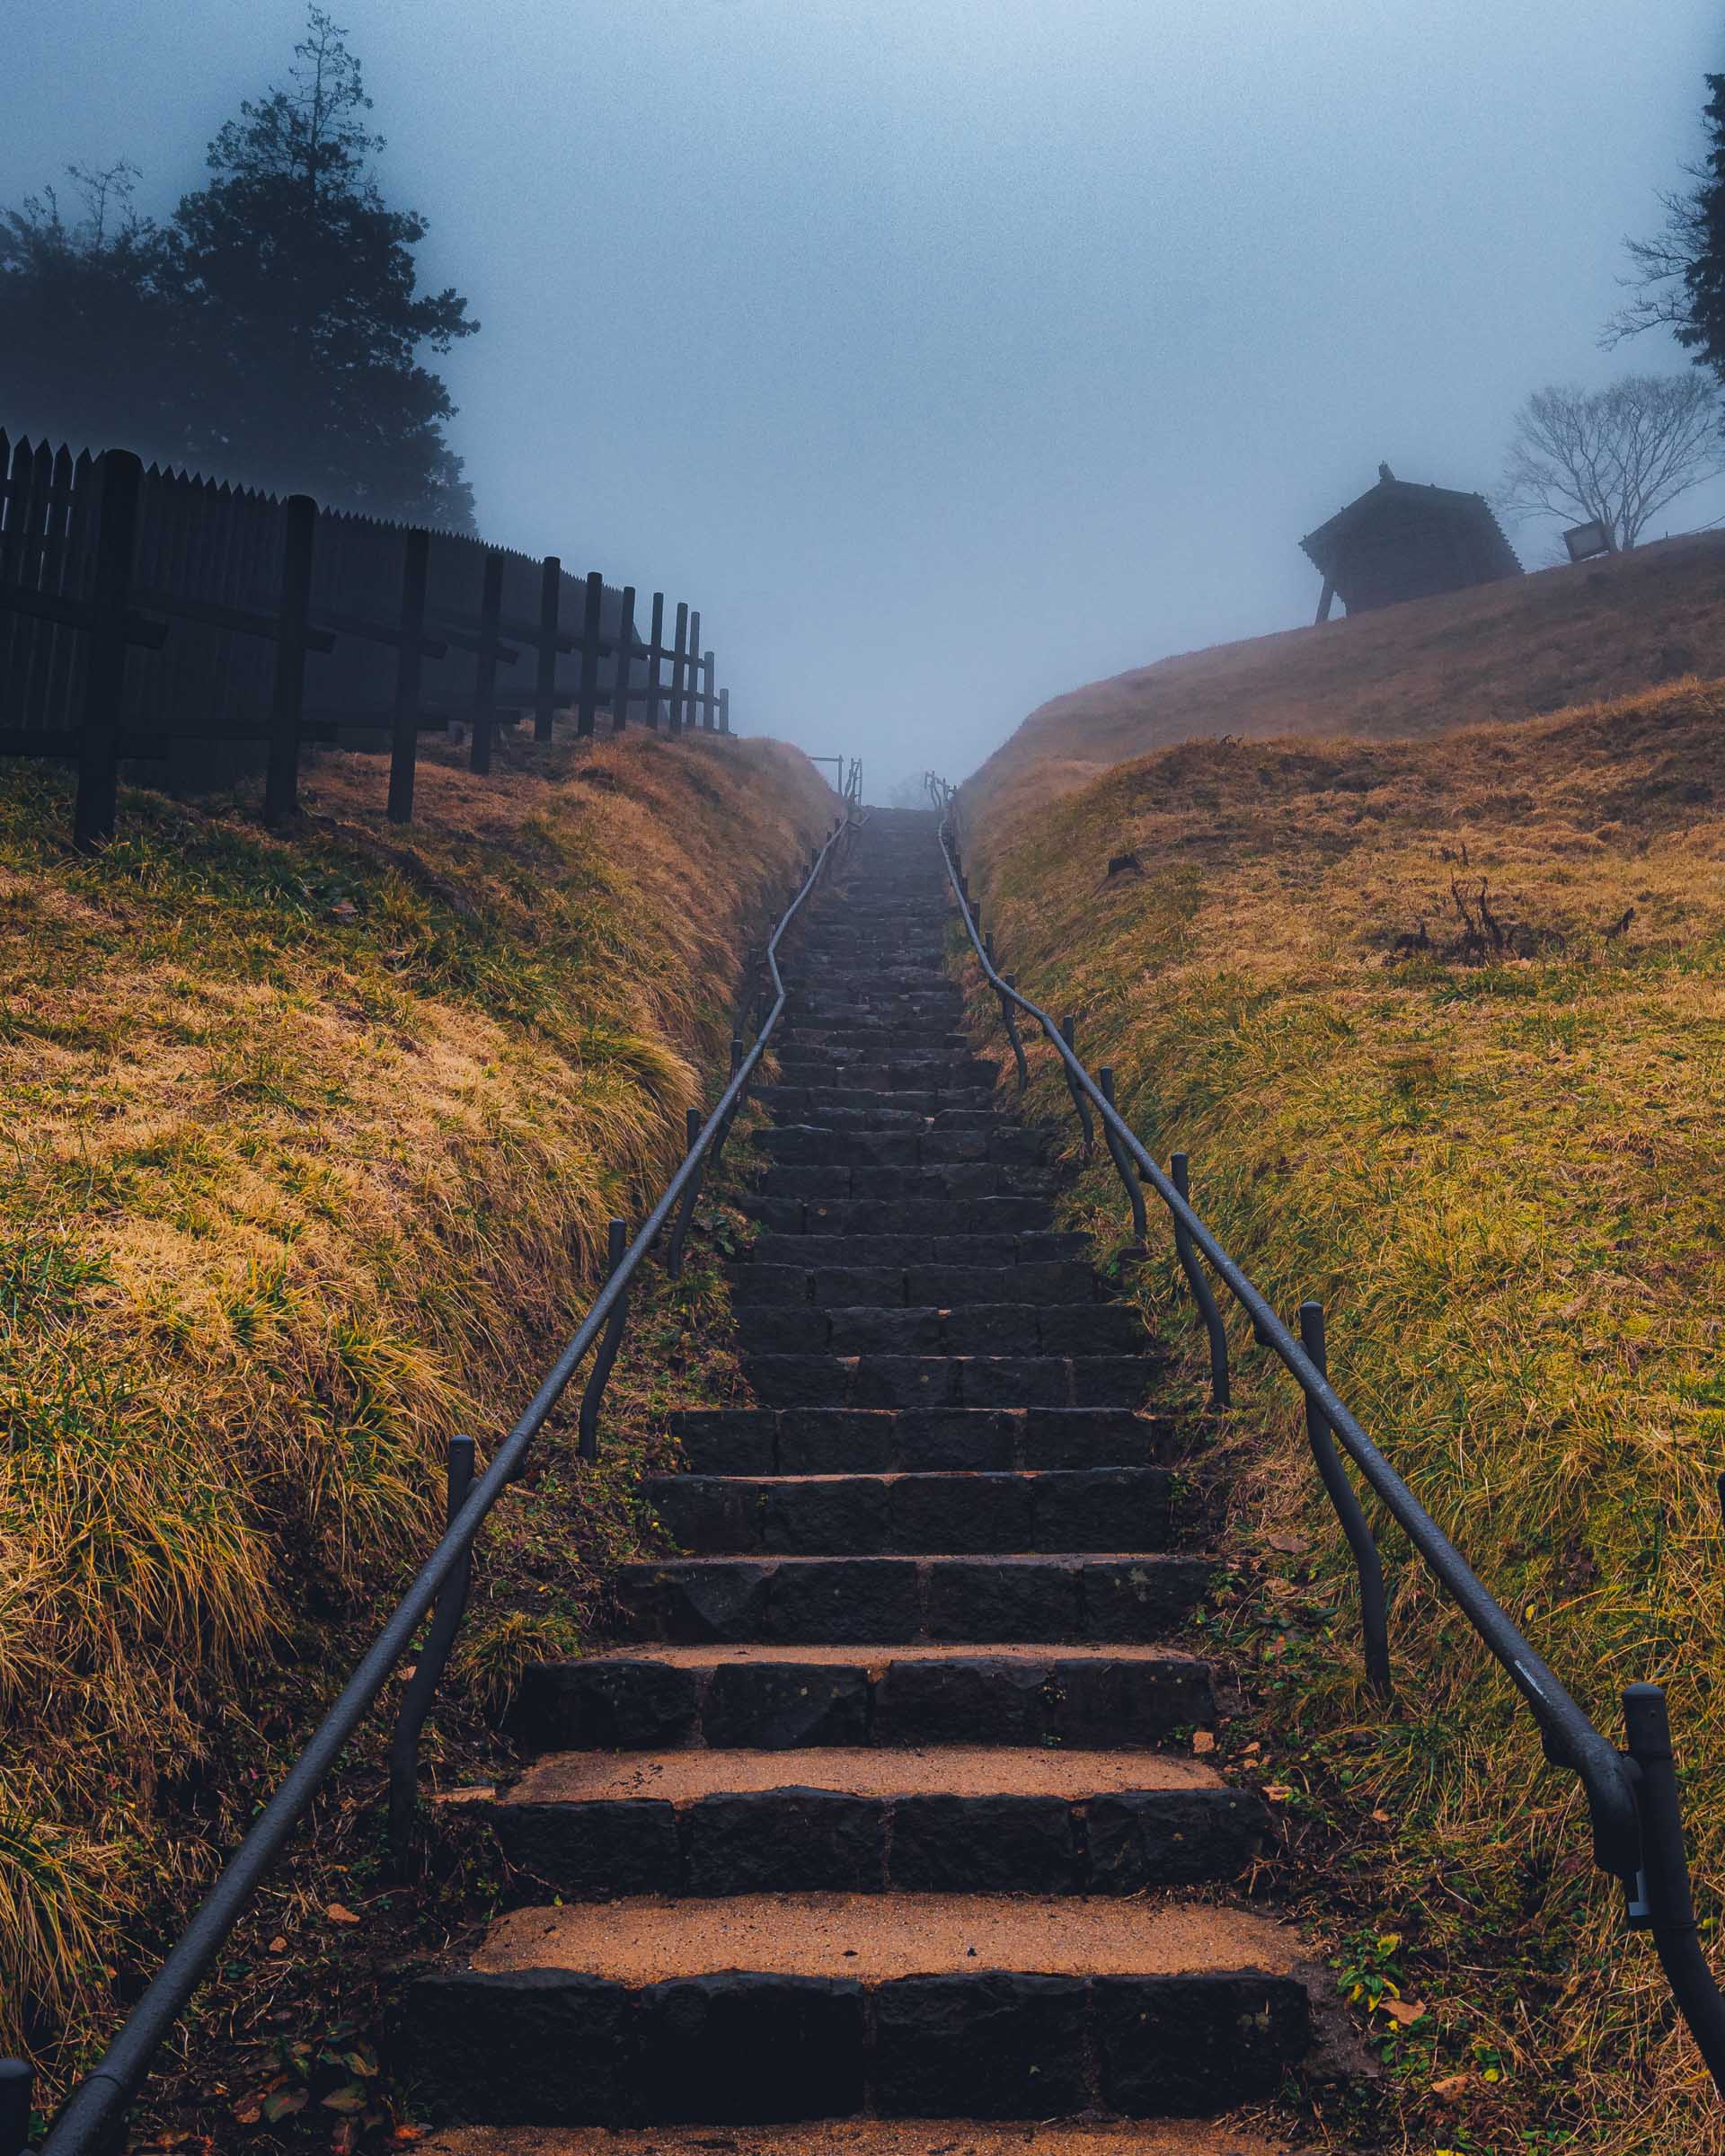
(1616, 455)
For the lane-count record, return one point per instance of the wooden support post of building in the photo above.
(410, 659)
(710, 699)
(491, 611)
(592, 622)
(678, 649)
(92, 816)
(625, 661)
(691, 679)
(724, 711)
(1326, 601)
(545, 694)
(287, 701)
(655, 651)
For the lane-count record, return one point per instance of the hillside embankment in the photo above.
(1531, 645)
(310, 1145)
(1441, 1023)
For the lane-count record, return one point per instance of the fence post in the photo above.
(410, 664)
(691, 676)
(1067, 1026)
(1125, 1167)
(490, 609)
(544, 695)
(98, 794)
(625, 661)
(593, 1393)
(1350, 1511)
(299, 545)
(710, 701)
(592, 620)
(674, 707)
(653, 657)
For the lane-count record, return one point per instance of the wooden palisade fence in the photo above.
(154, 616)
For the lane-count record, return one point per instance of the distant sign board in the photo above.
(1586, 540)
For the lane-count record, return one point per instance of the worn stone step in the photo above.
(1119, 1697)
(950, 1819)
(868, 2137)
(893, 1287)
(911, 1145)
(1102, 1597)
(1036, 1246)
(835, 1515)
(977, 1328)
(923, 1381)
(817, 1440)
(933, 1183)
(812, 1103)
(809, 2006)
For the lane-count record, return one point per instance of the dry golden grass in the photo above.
(1504, 1178)
(1531, 645)
(309, 1149)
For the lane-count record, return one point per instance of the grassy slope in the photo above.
(1509, 650)
(309, 1149)
(1504, 1180)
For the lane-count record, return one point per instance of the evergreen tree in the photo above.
(77, 294)
(302, 313)
(1678, 276)
(270, 333)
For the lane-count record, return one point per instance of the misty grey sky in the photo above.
(949, 353)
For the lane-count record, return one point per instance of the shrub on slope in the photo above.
(310, 1143)
(1442, 1026)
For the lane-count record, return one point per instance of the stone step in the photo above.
(977, 1328)
(1122, 1697)
(837, 1516)
(588, 1826)
(895, 1287)
(1036, 1246)
(810, 2006)
(1102, 1597)
(867, 2137)
(812, 1103)
(856, 1217)
(817, 1440)
(922, 1382)
(933, 1183)
(913, 1145)
(885, 1033)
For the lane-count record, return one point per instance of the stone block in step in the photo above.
(817, 1440)
(784, 2006)
(796, 1600)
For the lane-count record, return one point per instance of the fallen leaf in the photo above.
(1203, 1740)
(1404, 2012)
(284, 2104)
(344, 909)
(345, 2138)
(277, 1945)
(405, 2134)
(1451, 2088)
(1278, 1792)
(1383, 1818)
(1290, 1545)
(338, 1913)
(349, 2097)
(249, 2110)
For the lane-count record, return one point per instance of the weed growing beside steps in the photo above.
(1501, 1173)
(309, 1151)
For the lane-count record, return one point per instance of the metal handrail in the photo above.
(91, 2113)
(1632, 1796)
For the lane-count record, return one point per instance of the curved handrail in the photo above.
(91, 2113)
(1633, 1798)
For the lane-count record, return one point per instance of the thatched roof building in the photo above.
(1400, 541)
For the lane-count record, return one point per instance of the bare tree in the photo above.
(1616, 455)
(1660, 270)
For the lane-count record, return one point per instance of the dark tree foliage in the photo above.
(270, 332)
(1678, 276)
(86, 347)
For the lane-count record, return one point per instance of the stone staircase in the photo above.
(887, 1810)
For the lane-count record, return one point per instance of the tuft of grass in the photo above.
(1499, 1170)
(311, 1144)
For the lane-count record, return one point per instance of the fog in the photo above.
(949, 353)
